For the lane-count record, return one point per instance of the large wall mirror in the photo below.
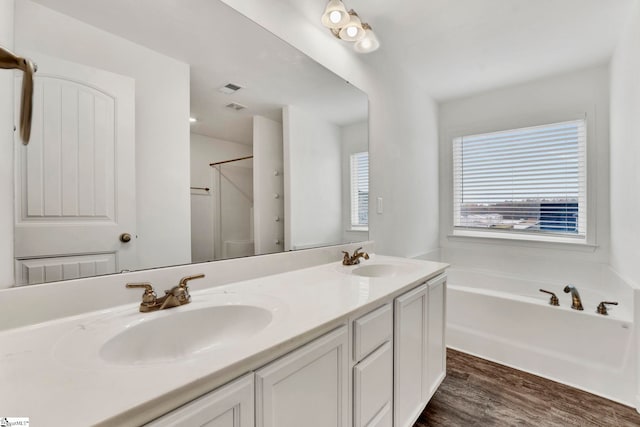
(167, 133)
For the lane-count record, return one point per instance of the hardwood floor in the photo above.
(480, 393)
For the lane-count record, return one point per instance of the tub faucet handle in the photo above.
(553, 300)
(602, 307)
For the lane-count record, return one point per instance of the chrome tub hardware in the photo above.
(178, 295)
(553, 300)
(602, 307)
(355, 258)
(576, 302)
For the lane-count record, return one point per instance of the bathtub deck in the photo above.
(477, 392)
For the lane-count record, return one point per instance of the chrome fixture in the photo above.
(602, 307)
(576, 302)
(553, 300)
(11, 61)
(347, 26)
(178, 295)
(355, 258)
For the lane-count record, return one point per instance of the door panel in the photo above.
(75, 181)
(33, 271)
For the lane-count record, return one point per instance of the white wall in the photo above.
(267, 160)
(206, 150)
(354, 139)
(625, 153)
(6, 150)
(313, 191)
(402, 128)
(162, 126)
(547, 100)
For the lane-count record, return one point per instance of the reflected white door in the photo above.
(75, 181)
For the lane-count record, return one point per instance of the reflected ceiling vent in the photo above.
(236, 106)
(229, 88)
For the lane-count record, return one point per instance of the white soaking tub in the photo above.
(509, 321)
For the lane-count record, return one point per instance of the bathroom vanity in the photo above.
(329, 345)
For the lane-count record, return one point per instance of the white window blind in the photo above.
(360, 189)
(529, 180)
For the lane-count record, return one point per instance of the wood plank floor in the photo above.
(480, 393)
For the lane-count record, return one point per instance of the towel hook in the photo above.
(11, 61)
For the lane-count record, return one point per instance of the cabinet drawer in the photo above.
(371, 331)
(373, 389)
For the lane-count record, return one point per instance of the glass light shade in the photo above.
(353, 31)
(368, 43)
(335, 15)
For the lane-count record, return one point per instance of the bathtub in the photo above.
(507, 320)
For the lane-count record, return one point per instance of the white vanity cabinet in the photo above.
(307, 387)
(380, 370)
(373, 372)
(436, 346)
(228, 406)
(419, 349)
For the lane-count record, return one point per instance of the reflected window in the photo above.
(360, 190)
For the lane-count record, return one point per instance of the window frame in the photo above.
(514, 237)
(356, 226)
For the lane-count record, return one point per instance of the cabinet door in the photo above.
(228, 406)
(436, 353)
(308, 387)
(410, 361)
(373, 388)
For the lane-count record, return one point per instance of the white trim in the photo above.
(560, 115)
(519, 240)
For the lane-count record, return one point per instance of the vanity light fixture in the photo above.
(368, 43)
(335, 15)
(347, 26)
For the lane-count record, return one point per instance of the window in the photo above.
(522, 181)
(360, 190)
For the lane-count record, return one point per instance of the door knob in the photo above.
(125, 237)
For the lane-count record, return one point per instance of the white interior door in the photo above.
(75, 181)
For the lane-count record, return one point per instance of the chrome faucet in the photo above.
(576, 302)
(355, 258)
(178, 295)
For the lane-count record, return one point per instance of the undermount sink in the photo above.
(185, 333)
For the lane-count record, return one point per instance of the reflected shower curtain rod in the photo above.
(229, 161)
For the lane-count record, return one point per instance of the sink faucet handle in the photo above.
(357, 251)
(184, 280)
(602, 308)
(149, 296)
(554, 299)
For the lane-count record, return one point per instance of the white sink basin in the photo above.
(214, 323)
(184, 334)
(377, 270)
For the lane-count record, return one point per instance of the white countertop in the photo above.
(51, 372)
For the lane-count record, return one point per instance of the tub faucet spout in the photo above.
(576, 302)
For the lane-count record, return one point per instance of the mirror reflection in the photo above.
(201, 137)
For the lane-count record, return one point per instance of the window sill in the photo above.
(522, 240)
(361, 229)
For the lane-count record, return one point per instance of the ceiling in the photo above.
(454, 48)
(272, 74)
